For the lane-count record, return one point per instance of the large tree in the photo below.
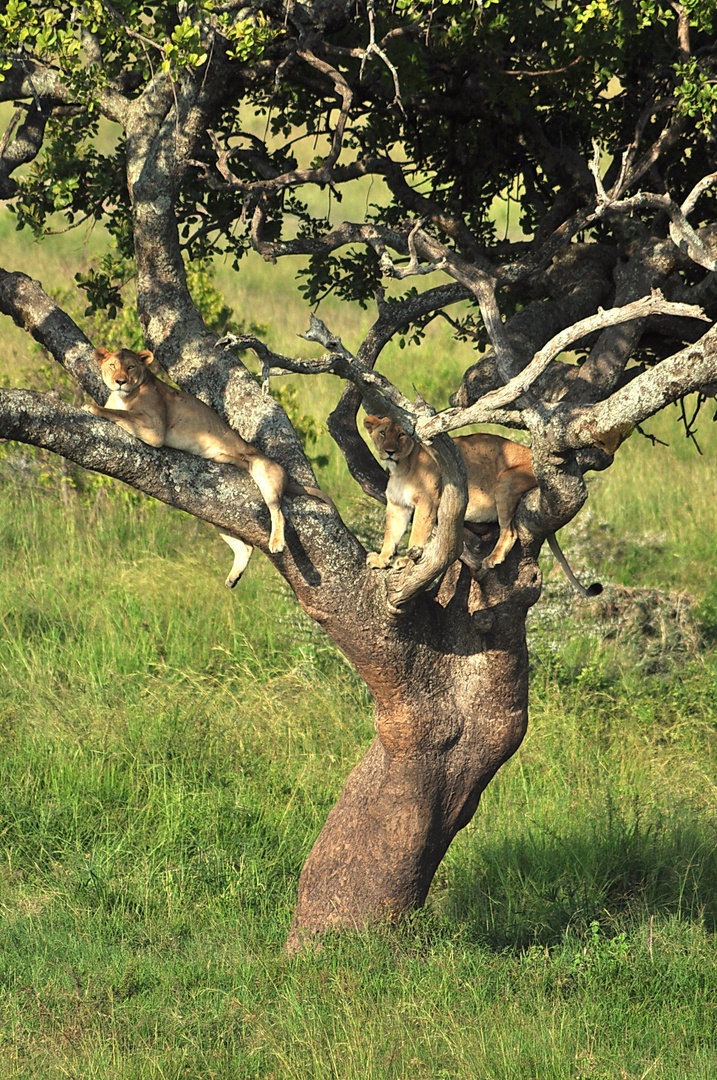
(597, 119)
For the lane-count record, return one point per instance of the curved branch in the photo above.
(341, 423)
(482, 412)
(605, 424)
(361, 463)
(418, 570)
(24, 147)
(345, 93)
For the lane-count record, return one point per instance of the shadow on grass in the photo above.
(533, 889)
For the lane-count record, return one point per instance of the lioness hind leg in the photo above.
(242, 554)
(271, 480)
(506, 500)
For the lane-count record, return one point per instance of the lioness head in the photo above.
(393, 445)
(123, 370)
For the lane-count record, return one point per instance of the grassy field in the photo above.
(170, 751)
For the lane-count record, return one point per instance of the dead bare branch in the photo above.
(690, 202)
(382, 396)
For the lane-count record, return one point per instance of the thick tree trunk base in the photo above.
(438, 745)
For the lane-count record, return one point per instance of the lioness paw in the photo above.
(91, 408)
(376, 561)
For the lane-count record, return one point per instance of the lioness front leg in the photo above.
(424, 518)
(397, 519)
(149, 431)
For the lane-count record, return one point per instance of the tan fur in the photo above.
(499, 472)
(160, 415)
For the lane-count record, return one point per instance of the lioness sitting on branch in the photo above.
(499, 473)
(161, 415)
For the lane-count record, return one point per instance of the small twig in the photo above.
(118, 17)
(547, 71)
(646, 435)
(376, 50)
(687, 424)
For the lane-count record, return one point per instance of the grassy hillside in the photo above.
(170, 751)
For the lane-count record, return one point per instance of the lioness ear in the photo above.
(371, 422)
(101, 354)
(146, 356)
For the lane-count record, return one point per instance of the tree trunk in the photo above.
(449, 712)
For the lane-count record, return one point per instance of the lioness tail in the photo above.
(593, 590)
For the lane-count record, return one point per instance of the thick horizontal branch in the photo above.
(29, 79)
(219, 494)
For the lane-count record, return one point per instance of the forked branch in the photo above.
(483, 411)
(681, 232)
(690, 370)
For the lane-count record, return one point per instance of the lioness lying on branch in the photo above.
(161, 415)
(499, 473)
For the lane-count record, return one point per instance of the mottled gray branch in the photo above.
(483, 411)
(692, 369)
(30, 79)
(219, 494)
(26, 302)
(24, 147)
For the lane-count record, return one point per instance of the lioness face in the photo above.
(124, 370)
(393, 445)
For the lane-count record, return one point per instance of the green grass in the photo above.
(169, 751)
(168, 756)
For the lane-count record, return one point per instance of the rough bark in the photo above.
(450, 685)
